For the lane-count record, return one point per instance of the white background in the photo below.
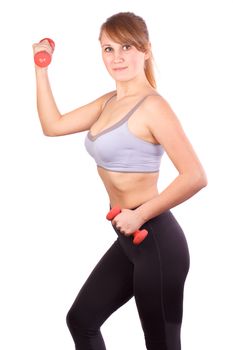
(53, 206)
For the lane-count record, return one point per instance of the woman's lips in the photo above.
(119, 68)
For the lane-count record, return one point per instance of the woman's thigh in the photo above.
(160, 272)
(109, 286)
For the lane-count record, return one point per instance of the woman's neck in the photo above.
(132, 88)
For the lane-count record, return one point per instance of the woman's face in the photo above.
(123, 61)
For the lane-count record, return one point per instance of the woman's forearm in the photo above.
(182, 188)
(46, 105)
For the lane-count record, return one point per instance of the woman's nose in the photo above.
(118, 57)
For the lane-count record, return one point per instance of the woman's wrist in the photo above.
(140, 212)
(41, 71)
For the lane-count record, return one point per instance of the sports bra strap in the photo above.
(135, 107)
(107, 101)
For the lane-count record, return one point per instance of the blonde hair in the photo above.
(126, 27)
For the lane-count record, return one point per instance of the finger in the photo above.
(120, 230)
(42, 47)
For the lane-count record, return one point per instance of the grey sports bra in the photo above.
(118, 149)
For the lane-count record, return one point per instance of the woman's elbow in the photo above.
(49, 132)
(200, 180)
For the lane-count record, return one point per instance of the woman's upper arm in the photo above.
(167, 130)
(80, 119)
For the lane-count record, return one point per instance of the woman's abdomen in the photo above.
(129, 190)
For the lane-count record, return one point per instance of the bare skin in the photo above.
(129, 191)
(154, 121)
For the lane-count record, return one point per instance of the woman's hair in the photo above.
(126, 27)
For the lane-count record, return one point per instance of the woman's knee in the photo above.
(74, 323)
(80, 323)
(85, 334)
(71, 319)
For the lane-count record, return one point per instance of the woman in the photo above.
(128, 131)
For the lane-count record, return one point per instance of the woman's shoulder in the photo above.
(154, 98)
(157, 106)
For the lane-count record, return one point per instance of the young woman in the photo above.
(128, 131)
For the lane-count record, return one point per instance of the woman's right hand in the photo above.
(42, 46)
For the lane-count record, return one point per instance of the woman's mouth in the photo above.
(119, 68)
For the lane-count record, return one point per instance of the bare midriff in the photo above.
(129, 190)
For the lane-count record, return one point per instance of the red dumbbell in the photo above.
(139, 235)
(43, 58)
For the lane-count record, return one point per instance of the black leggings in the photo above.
(153, 272)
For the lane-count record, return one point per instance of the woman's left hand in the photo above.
(127, 222)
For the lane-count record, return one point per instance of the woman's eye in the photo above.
(126, 47)
(108, 49)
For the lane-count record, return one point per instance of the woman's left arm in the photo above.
(167, 130)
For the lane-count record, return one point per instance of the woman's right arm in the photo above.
(52, 122)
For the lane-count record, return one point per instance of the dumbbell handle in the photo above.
(139, 235)
(43, 58)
